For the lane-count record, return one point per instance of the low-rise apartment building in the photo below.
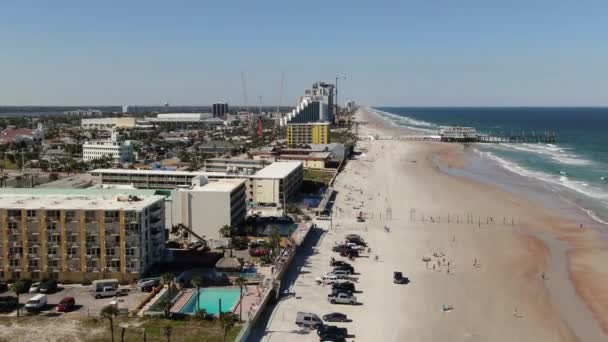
(79, 238)
(119, 151)
(207, 206)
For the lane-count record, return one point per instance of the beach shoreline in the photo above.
(577, 251)
(484, 263)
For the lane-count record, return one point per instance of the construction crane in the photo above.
(260, 97)
(244, 83)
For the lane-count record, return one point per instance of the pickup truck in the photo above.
(342, 298)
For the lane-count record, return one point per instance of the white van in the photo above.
(36, 303)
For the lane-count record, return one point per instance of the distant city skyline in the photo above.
(393, 53)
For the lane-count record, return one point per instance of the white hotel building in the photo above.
(119, 151)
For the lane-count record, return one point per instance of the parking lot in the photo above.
(86, 304)
(305, 295)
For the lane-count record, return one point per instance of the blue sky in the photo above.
(411, 53)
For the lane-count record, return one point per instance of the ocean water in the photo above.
(575, 167)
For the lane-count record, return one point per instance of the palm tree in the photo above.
(167, 330)
(18, 287)
(275, 239)
(226, 231)
(227, 322)
(165, 305)
(197, 282)
(108, 312)
(240, 282)
(167, 279)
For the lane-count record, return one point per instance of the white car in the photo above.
(340, 274)
(354, 246)
(327, 279)
(34, 288)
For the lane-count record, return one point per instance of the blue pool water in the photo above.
(209, 300)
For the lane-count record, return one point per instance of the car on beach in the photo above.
(323, 218)
(355, 246)
(327, 279)
(327, 330)
(342, 298)
(345, 286)
(341, 248)
(336, 263)
(348, 268)
(335, 317)
(340, 274)
(308, 320)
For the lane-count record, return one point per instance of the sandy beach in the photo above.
(517, 270)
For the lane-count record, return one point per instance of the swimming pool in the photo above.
(209, 299)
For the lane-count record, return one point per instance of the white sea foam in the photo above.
(562, 180)
(407, 122)
(559, 154)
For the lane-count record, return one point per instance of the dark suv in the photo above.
(344, 286)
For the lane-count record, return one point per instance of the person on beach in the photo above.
(475, 262)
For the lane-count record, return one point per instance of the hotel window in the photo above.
(94, 251)
(54, 238)
(91, 264)
(52, 250)
(72, 251)
(14, 214)
(113, 263)
(53, 263)
(33, 263)
(110, 252)
(53, 215)
(70, 215)
(52, 226)
(33, 250)
(130, 252)
(13, 263)
(31, 214)
(13, 225)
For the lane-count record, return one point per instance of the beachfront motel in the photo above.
(80, 238)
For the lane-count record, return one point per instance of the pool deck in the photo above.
(251, 298)
(184, 298)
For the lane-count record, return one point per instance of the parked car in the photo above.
(66, 304)
(36, 303)
(335, 317)
(147, 284)
(336, 263)
(341, 274)
(355, 246)
(342, 298)
(327, 279)
(8, 303)
(336, 292)
(48, 286)
(332, 337)
(347, 268)
(106, 291)
(259, 251)
(398, 278)
(341, 248)
(34, 288)
(324, 330)
(350, 253)
(323, 217)
(308, 320)
(346, 286)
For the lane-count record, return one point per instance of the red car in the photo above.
(257, 252)
(66, 304)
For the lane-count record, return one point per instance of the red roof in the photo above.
(10, 134)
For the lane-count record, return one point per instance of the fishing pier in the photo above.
(458, 134)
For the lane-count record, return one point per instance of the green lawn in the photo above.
(318, 176)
